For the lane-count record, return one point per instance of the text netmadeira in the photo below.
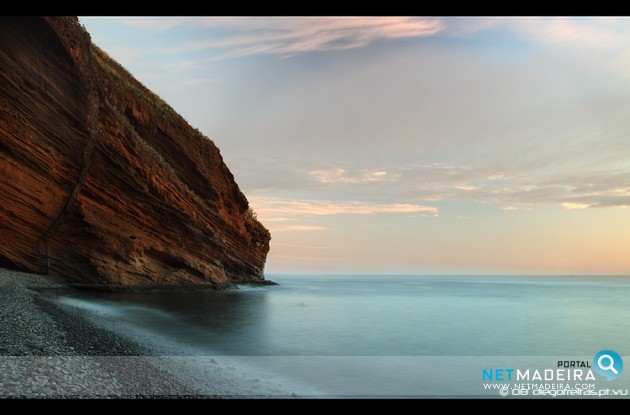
(558, 374)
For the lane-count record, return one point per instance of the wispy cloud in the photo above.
(592, 189)
(587, 190)
(515, 189)
(279, 219)
(566, 31)
(271, 207)
(152, 23)
(592, 32)
(594, 40)
(298, 228)
(571, 205)
(465, 187)
(310, 247)
(340, 175)
(292, 35)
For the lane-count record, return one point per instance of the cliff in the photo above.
(101, 181)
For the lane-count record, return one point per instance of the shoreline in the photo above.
(48, 350)
(148, 288)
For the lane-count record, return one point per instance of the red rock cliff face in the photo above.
(103, 182)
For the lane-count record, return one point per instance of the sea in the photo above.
(390, 335)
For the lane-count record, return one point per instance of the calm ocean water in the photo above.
(318, 335)
(316, 315)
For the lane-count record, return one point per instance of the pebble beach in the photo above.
(48, 351)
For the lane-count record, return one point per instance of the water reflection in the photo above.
(382, 316)
(231, 322)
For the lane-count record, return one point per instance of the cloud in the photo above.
(151, 23)
(289, 36)
(593, 40)
(340, 175)
(592, 32)
(515, 208)
(571, 205)
(515, 188)
(466, 187)
(417, 187)
(300, 228)
(591, 189)
(279, 219)
(309, 247)
(478, 131)
(286, 36)
(271, 207)
(419, 182)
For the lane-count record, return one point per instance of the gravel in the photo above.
(52, 352)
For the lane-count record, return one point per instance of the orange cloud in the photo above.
(270, 207)
(298, 228)
(341, 176)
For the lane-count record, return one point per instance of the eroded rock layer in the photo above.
(101, 181)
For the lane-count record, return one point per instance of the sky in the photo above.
(409, 145)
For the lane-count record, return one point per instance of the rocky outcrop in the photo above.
(101, 181)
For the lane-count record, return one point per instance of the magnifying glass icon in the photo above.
(611, 363)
